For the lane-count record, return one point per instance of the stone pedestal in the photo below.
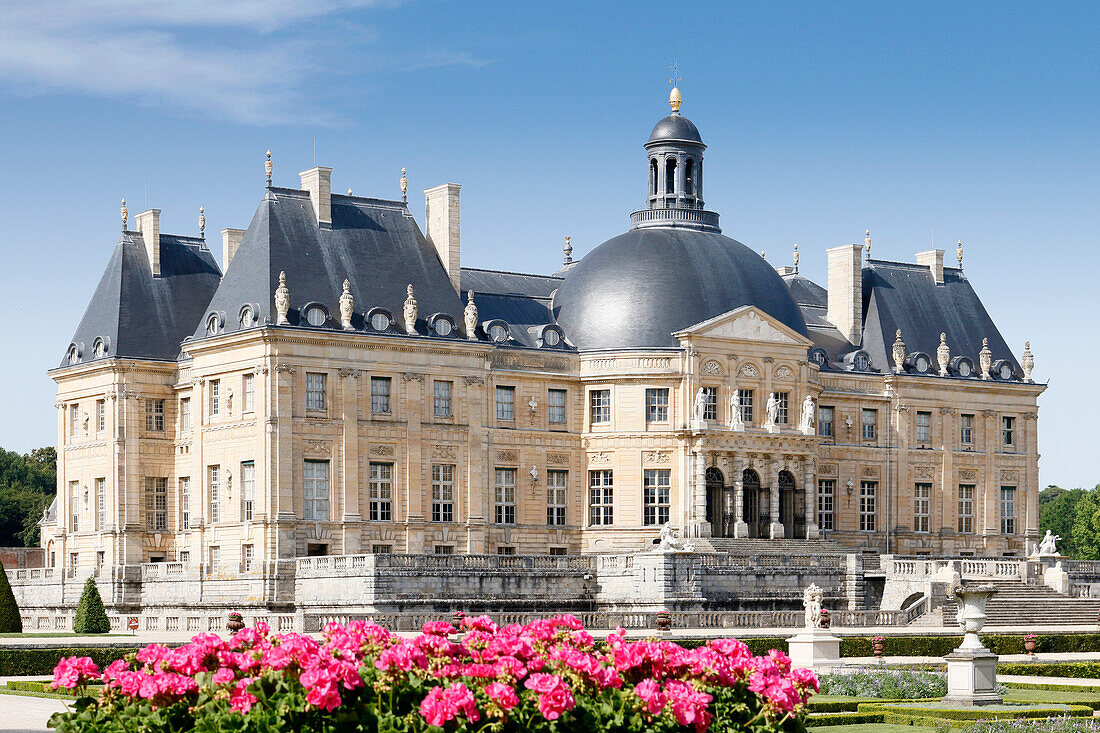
(771, 429)
(972, 677)
(740, 529)
(776, 531)
(814, 649)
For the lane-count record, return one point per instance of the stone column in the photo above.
(775, 529)
(681, 180)
(697, 523)
(740, 526)
(809, 480)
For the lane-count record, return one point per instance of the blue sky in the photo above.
(973, 120)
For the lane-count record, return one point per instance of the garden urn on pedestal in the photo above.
(972, 669)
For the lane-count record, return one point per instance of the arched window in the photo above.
(653, 178)
(689, 178)
(670, 175)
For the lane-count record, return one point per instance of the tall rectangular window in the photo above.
(215, 558)
(784, 399)
(215, 397)
(599, 401)
(922, 499)
(826, 495)
(1008, 431)
(556, 490)
(100, 503)
(1008, 510)
(315, 483)
(441, 398)
(966, 429)
(381, 492)
(100, 415)
(506, 403)
(557, 407)
(656, 487)
(601, 497)
(74, 506)
(966, 508)
(443, 493)
(869, 424)
(924, 427)
(185, 415)
(74, 419)
(156, 503)
(504, 495)
(248, 388)
(380, 395)
(656, 404)
(214, 481)
(248, 554)
(185, 502)
(710, 412)
(248, 490)
(315, 392)
(154, 415)
(825, 417)
(867, 509)
(746, 396)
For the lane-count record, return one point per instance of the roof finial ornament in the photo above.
(899, 353)
(985, 358)
(763, 255)
(347, 306)
(408, 310)
(568, 249)
(867, 243)
(124, 212)
(282, 300)
(470, 316)
(404, 187)
(202, 223)
(349, 192)
(796, 258)
(1027, 361)
(674, 99)
(268, 167)
(943, 354)
(959, 254)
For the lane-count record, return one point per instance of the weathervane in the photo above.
(674, 73)
(674, 98)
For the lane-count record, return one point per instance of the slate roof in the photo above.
(520, 300)
(144, 317)
(375, 244)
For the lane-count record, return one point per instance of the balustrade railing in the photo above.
(398, 561)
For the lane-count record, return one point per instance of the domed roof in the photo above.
(675, 127)
(636, 289)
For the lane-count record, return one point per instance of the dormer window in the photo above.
(441, 324)
(379, 321)
(550, 337)
(248, 317)
(497, 331)
(316, 315)
(213, 325)
(74, 354)
(99, 348)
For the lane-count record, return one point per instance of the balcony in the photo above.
(687, 218)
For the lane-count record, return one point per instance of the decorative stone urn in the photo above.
(971, 615)
(236, 623)
(972, 669)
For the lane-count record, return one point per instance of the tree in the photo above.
(1086, 526)
(1057, 510)
(10, 620)
(91, 616)
(27, 484)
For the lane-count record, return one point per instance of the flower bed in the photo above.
(549, 675)
(888, 684)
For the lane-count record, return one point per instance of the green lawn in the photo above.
(51, 635)
(873, 728)
(1017, 694)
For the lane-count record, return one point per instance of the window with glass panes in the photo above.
(215, 396)
(599, 401)
(214, 481)
(215, 558)
(380, 395)
(1008, 510)
(248, 389)
(100, 503)
(825, 416)
(443, 549)
(506, 403)
(443, 493)
(248, 490)
(784, 399)
(154, 415)
(746, 397)
(441, 398)
(248, 554)
(315, 391)
(867, 509)
(966, 429)
(381, 492)
(869, 424)
(656, 487)
(922, 499)
(74, 506)
(966, 508)
(924, 427)
(656, 404)
(504, 495)
(826, 495)
(1008, 431)
(601, 497)
(315, 485)
(100, 415)
(185, 502)
(710, 412)
(185, 414)
(556, 488)
(557, 407)
(156, 503)
(74, 420)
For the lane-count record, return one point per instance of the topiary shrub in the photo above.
(10, 620)
(91, 616)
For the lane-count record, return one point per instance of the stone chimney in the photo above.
(441, 220)
(318, 182)
(148, 225)
(231, 240)
(845, 281)
(933, 260)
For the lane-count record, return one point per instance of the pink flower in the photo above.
(806, 679)
(241, 699)
(688, 704)
(442, 705)
(73, 672)
(438, 628)
(223, 676)
(555, 696)
(503, 695)
(650, 693)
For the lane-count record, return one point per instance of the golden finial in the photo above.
(867, 242)
(674, 99)
(796, 257)
(959, 254)
(568, 249)
(404, 186)
(268, 167)
(124, 213)
(349, 192)
(202, 223)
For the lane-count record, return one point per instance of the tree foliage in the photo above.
(27, 486)
(1086, 527)
(10, 620)
(91, 616)
(1057, 511)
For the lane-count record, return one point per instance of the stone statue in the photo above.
(985, 359)
(811, 601)
(943, 355)
(470, 316)
(898, 352)
(409, 311)
(737, 422)
(282, 301)
(699, 409)
(1047, 547)
(229, 400)
(672, 542)
(347, 306)
(772, 410)
(809, 412)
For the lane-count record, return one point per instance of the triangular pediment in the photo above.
(747, 323)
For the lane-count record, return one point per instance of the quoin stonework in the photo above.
(343, 386)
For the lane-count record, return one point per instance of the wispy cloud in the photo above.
(249, 61)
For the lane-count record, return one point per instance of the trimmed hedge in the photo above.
(1049, 687)
(930, 716)
(836, 706)
(26, 662)
(928, 646)
(91, 616)
(44, 687)
(10, 620)
(1077, 670)
(848, 718)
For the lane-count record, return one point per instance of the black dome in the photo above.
(636, 289)
(675, 127)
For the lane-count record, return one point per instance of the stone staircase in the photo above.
(1017, 604)
(760, 546)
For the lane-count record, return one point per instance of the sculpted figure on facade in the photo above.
(409, 312)
(671, 541)
(737, 422)
(811, 602)
(772, 411)
(347, 306)
(809, 412)
(470, 316)
(282, 301)
(699, 409)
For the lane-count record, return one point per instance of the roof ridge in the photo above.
(509, 272)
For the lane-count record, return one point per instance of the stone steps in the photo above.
(1017, 604)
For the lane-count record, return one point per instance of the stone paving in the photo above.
(23, 714)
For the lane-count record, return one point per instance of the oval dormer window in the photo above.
(861, 362)
(1006, 371)
(442, 327)
(498, 333)
(818, 356)
(550, 337)
(380, 321)
(99, 349)
(74, 354)
(964, 369)
(316, 316)
(248, 317)
(213, 326)
(921, 363)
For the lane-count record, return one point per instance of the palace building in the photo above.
(342, 385)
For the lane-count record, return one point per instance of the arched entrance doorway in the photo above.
(792, 512)
(751, 501)
(716, 484)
